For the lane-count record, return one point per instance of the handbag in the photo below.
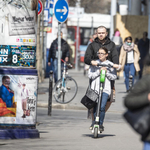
(90, 97)
(91, 94)
(139, 120)
(88, 103)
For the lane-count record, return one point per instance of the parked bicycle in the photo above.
(66, 88)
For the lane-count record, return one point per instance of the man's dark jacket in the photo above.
(143, 47)
(54, 47)
(138, 98)
(91, 52)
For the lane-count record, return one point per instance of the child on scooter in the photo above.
(94, 75)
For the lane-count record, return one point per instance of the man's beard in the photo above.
(102, 38)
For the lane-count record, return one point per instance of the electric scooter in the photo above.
(95, 129)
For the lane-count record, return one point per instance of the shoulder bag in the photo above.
(89, 99)
(139, 120)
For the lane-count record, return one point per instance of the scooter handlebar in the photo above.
(104, 65)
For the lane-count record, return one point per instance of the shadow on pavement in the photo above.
(99, 136)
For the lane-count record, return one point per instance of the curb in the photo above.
(62, 106)
(73, 107)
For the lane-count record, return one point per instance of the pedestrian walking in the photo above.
(53, 53)
(118, 42)
(139, 98)
(86, 67)
(129, 57)
(90, 57)
(143, 46)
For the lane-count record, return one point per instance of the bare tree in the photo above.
(96, 6)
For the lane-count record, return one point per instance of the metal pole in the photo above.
(77, 39)
(50, 92)
(59, 50)
(92, 26)
(149, 19)
(113, 12)
(149, 23)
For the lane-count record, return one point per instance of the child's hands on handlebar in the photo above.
(103, 68)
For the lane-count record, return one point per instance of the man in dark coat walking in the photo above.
(53, 53)
(143, 46)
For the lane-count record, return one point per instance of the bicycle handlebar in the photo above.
(69, 65)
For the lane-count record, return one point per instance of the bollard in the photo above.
(50, 92)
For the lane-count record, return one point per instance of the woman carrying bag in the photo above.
(138, 100)
(129, 57)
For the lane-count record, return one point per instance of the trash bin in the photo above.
(18, 98)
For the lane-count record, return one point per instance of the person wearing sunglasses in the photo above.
(129, 57)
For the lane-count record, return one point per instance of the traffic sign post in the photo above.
(61, 11)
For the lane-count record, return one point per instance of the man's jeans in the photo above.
(129, 70)
(55, 66)
(146, 146)
(141, 68)
(102, 110)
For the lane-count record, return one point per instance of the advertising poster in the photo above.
(13, 55)
(18, 24)
(18, 95)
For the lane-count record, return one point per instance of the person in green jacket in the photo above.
(139, 97)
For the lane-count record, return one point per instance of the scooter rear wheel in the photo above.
(95, 132)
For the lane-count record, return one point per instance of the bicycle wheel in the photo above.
(65, 94)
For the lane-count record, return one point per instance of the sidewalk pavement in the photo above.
(82, 81)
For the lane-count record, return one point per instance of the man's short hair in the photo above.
(102, 27)
(145, 33)
(60, 32)
(4, 78)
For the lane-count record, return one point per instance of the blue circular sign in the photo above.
(40, 7)
(61, 10)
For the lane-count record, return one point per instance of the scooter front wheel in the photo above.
(95, 132)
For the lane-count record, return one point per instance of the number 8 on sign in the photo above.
(15, 59)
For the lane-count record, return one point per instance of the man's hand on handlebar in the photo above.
(94, 63)
(117, 66)
(49, 63)
(66, 59)
(149, 96)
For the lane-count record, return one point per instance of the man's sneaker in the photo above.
(91, 127)
(101, 128)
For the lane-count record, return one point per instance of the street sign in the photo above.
(75, 12)
(40, 7)
(61, 10)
